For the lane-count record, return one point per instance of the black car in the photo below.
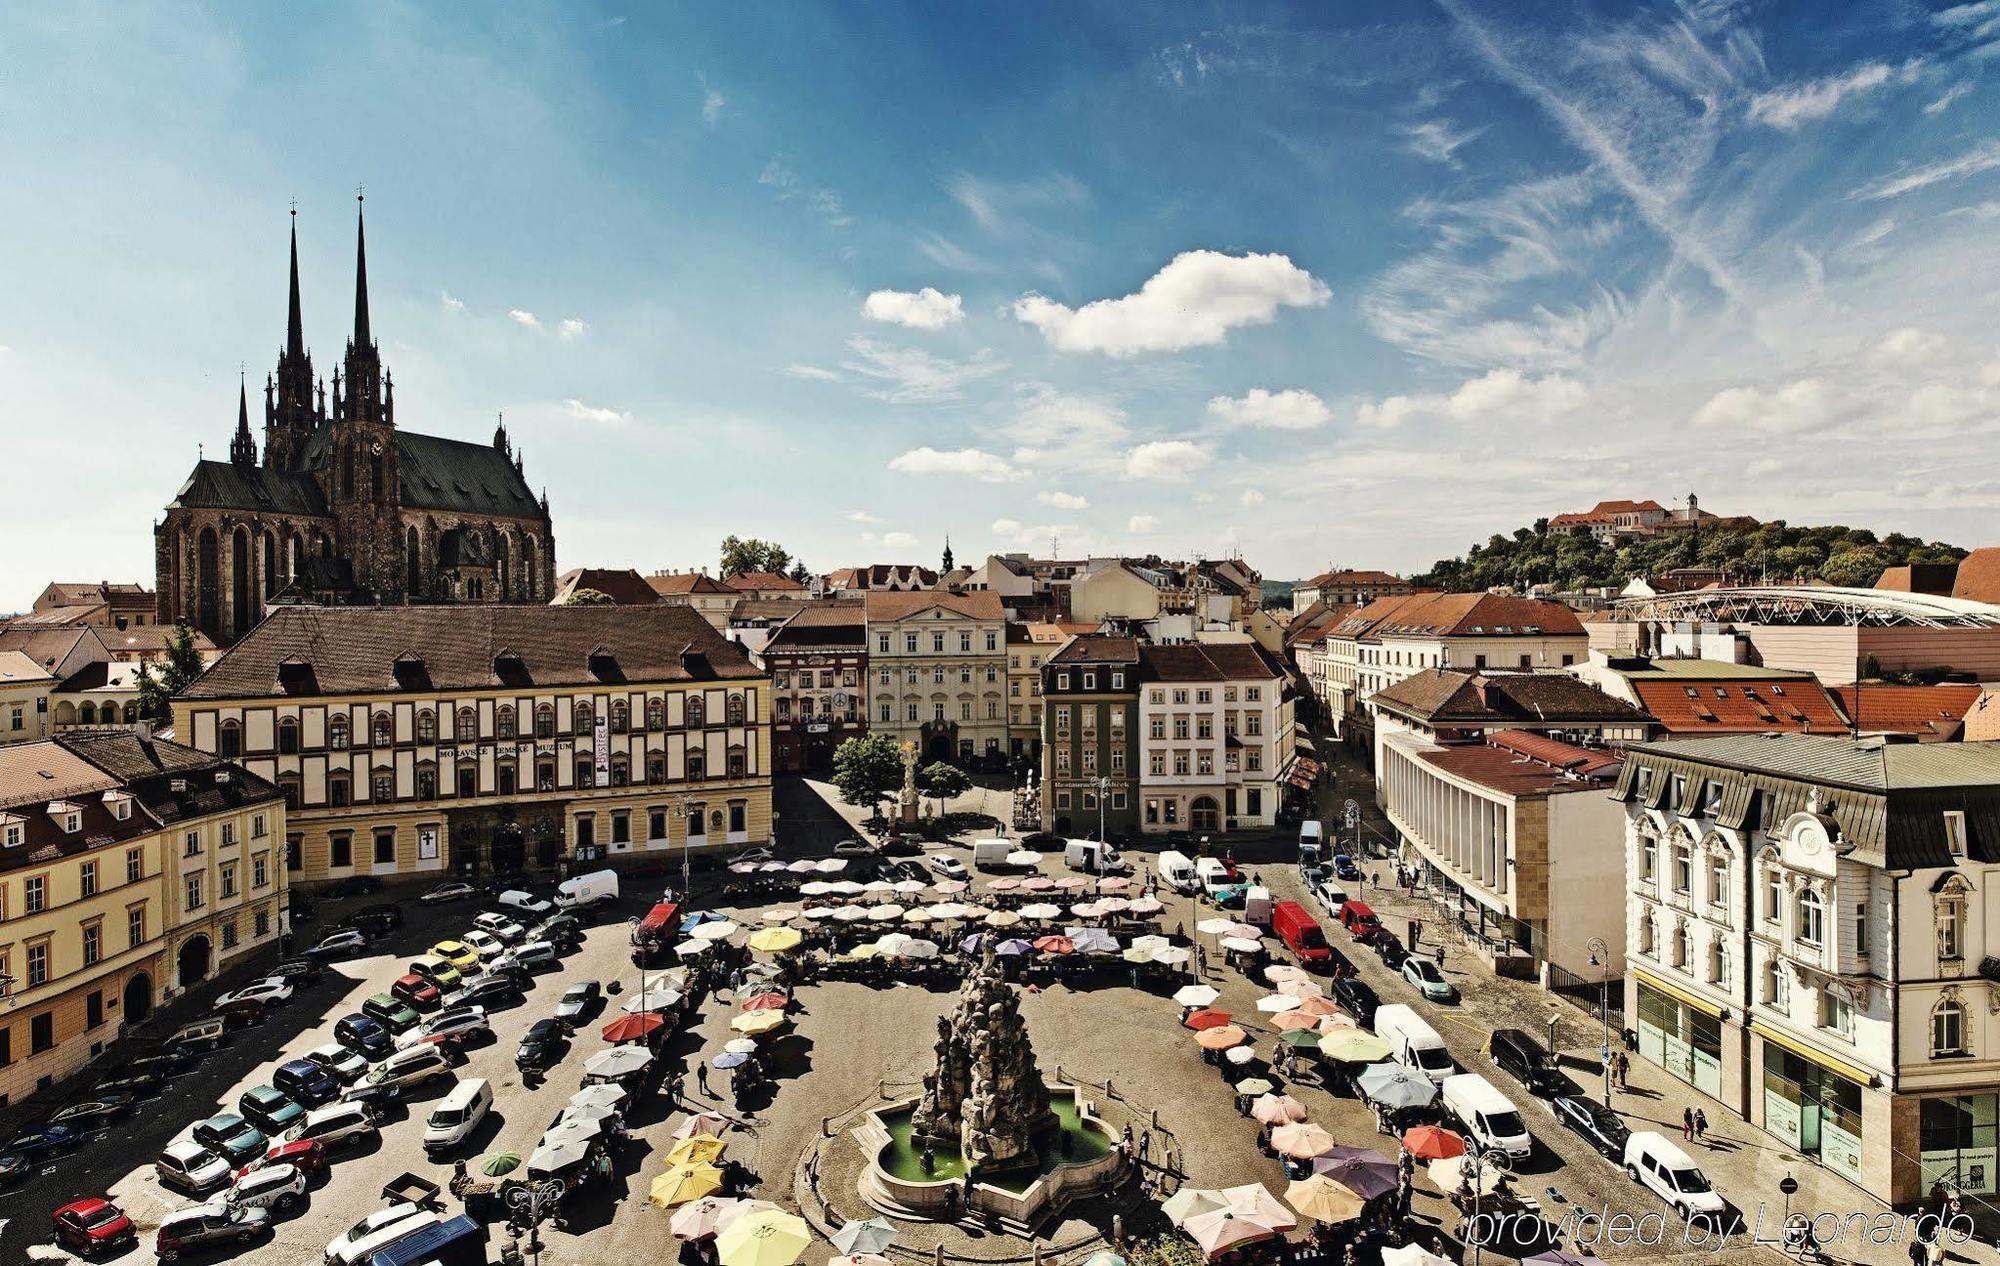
(491, 992)
(163, 1064)
(1524, 1059)
(1043, 841)
(1599, 1125)
(542, 1046)
(1356, 998)
(95, 1111)
(354, 886)
(902, 846)
(305, 1082)
(1389, 950)
(364, 1036)
(375, 920)
(563, 932)
(299, 971)
(381, 1101)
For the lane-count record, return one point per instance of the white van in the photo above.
(1091, 857)
(525, 903)
(1487, 1115)
(1414, 1044)
(377, 1231)
(990, 853)
(1656, 1163)
(1312, 841)
(1212, 875)
(457, 1115)
(1176, 871)
(1257, 906)
(581, 891)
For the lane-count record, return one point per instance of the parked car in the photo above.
(376, 920)
(409, 1069)
(188, 1166)
(269, 1109)
(354, 886)
(1661, 1167)
(355, 1245)
(1429, 979)
(391, 1012)
(1521, 1056)
(457, 1115)
(96, 1111)
(499, 927)
(240, 1013)
(579, 1003)
(437, 970)
(345, 943)
(751, 856)
(364, 1036)
(564, 931)
(484, 945)
(308, 1156)
(335, 1125)
(279, 1188)
(93, 1227)
(854, 848)
(950, 868)
(457, 1026)
(416, 991)
(201, 1037)
(206, 1226)
(542, 1045)
(38, 1142)
(124, 1081)
(526, 907)
(14, 1168)
(300, 971)
(1345, 868)
(271, 991)
(161, 1062)
(492, 992)
(1598, 1125)
(528, 959)
(1356, 998)
(444, 894)
(1388, 948)
(343, 1065)
(231, 1137)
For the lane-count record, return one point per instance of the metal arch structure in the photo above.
(1813, 606)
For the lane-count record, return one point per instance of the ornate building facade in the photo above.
(345, 507)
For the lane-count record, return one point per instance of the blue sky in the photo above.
(1355, 283)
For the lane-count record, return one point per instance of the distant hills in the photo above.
(1773, 552)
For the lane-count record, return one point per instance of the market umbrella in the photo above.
(1113, 905)
(869, 950)
(948, 910)
(730, 1059)
(1277, 1002)
(1093, 941)
(803, 866)
(886, 913)
(742, 1209)
(910, 887)
(683, 1183)
(702, 1123)
(915, 947)
(1394, 1086)
(768, 1001)
(696, 1149)
(657, 998)
(1002, 919)
(1323, 1200)
(1037, 883)
(699, 1219)
(690, 947)
(619, 1061)
(1114, 883)
(1313, 1004)
(919, 917)
(1191, 1202)
(1231, 1227)
(765, 1237)
(949, 887)
(1244, 930)
(633, 1028)
(1145, 905)
(583, 1129)
(1173, 955)
(1352, 1046)
(1221, 1039)
(1138, 955)
(870, 1236)
(1072, 883)
(1195, 995)
(1013, 947)
(851, 914)
(815, 888)
(820, 914)
(775, 940)
(830, 865)
(1294, 1020)
(1432, 1142)
(1367, 1174)
(742, 868)
(1216, 927)
(585, 1112)
(1254, 1086)
(1024, 857)
(1297, 988)
(879, 887)
(1301, 1039)
(758, 1023)
(1242, 944)
(500, 1163)
(1055, 945)
(1207, 1017)
(1279, 973)
(845, 887)
(1003, 885)
(1453, 1174)
(772, 867)
(1337, 1021)
(554, 1156)
(1277, 1110)
(601, 1095)
(1041, 911)
(1086, 910)
(1412, 1255)
(1240, 1055)
(1302, 1140)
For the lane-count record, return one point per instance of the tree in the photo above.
(801, 573)
(943, 781)
(590, 598)
(176, 673)
(866, 769)
(740, 555)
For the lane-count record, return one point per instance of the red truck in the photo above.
(1301, 934)
(1358, 919)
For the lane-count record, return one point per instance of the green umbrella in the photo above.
(1304, 1039)
(500, 1163)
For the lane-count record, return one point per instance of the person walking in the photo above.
(1687, 1125)
(701, 1077)
(1439, 955)
(1700, 1126)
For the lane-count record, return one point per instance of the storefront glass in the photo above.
(1816, 1111)
(1681, 1040)
(1959, 1143)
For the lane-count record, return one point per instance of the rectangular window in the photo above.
(739, 816)
(340, 851)
(135, 926)
(228, 834)
(385, 847)
(226, 880)
(192, 896)
(257, 828)
(262, 922)
(42, 1032)
(260, 870)
(87, 878)
(191, 847)
(1954, 832)
(93, 943)
(135, 865)
(93, 1008)
(229, 935)
(34, 894)
(38, 965)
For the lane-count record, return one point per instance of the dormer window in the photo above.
(10, 835)
(1954, 832)
(120, 805)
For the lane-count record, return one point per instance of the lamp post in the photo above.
(1600, 958)
(1475, 1160)
(677, 804)
(1103, 792)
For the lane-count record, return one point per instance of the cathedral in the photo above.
(344, 506)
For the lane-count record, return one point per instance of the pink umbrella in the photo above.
(1243, 930)
(702, 1123)
(1302, 1140)
(1114, 883)
(1296, 988)
(1277, 1110)
(1003, 885)
(950, 886)
(1251, 1214)
(1072, 882)
(1038, 883)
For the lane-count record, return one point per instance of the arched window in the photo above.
(621, 770)
(1681, 946)
(1948, 1029)
(290, 785)
(427, 781)
(545, 721)
(1949, 918)
(1646, 934)
(503, 720)
(656, 767)
(1812, 918)
(1771, 898)
(336, 731)
(466, 728)
(382, 786)
(581, 717)
(656, 714)
(1718, 962)
(87, 715)
(288, 736)
(381, 730)
(736, 761)
(427, 726)
(734, 710)
(131, 712)
(697, 712)
(1682, 876)
(697, 766)
(621, 716)
(231, 739)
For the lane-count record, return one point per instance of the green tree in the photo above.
(176, 673)
(943, 781)
(866, 769)
(590, 598)
(800, 573)
(740, 555)
(1854, 568)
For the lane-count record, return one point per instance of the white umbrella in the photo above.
(1145, 905)
(1279, 973)
(1451, 1174)
(948, 887)
(820, 914)
(719, 930)
(851, 914)
(1214, 927)
(1172, 955)
(915, 948)
(910, 887)
(619, 1061)
(1002, 919)
(584, 1128)
(702, 1123)
(1412, 1255)
(602, 1095)
(1154, 941)
(1240, 1055)
(652, 1000)
(1193, 995)
(801, 867)
(779, 916)
(1086, 909)
(1275, 1003)
(1024, 857)
(1297, 988)
(886, 913)
(1241, 944)
(550, 1158)
(919, 916)
(691, 947)
(950, 910)
(772, 867)
(845, 887)
(1092, 941)
(741, 1046)
(1041, 910)
(830, 865)
(880, 886)
(1191, 1202)
(815, 888)
(1113, 905)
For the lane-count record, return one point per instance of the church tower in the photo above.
(243, 447)
(360, 476)
(290, 416)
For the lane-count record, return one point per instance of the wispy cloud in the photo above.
(970, 462)
(789, 186)
(910, 375)
(712, 103)
(1794, 105)
(593, 414)
(999, 206)
(450, 303)
(572, 329)
(1436, 140)
(521, 316)
(1063, 500)
(1982, 157)
(861, 516)
(1948, 98)
(813, 373)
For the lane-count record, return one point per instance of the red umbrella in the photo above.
(632, 1028)
(1431, 1142)
(1055, 945)
(1207, 1018)
(765, 1002)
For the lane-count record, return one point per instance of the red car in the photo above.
(93, 1226)
(309, 1155)
(415, 990)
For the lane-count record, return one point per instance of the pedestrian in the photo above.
(1439, 955)
(701, 1077)
(1700, 1125)
(1687, 1125)
(1145, 1144)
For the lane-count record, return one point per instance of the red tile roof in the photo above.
(625, 587)
(1459, 615)
(680, 582)
(1933, 711)
(1352, 577)
(763, 580)
(1685, 705)
(1979, 576)
(891, 604)
(1515, 774)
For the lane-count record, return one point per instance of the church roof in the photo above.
(226, 486)
(455, 475)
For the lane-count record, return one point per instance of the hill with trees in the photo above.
(1775, 552)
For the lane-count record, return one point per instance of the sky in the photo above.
(1349, 284)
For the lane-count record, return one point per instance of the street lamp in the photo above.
(1103, 793)
(1475, 1160)
(677, 804)
(1600, 958)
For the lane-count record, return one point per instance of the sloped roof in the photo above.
(226, 486)
(764, 610)
(826, 623)
(1208, 661)
(1978, 578)
(763, 580)
(150, 769)
(624, 586)
(47, 647)
(1460, 615)
(18, 669)
(1926, 711)
(1730, 704)
(1352, 577)
(460, 476)
(1446, 696)
(146, 639)
(1545, 770)
(354, 650)
(1098, 648)
(979, 604)
(685, 582)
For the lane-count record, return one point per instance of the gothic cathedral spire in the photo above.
(290, 416)
(243, 448)
(362, 337)
(363, 402)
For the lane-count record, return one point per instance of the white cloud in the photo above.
(582, 412)
(1169, 460)
(1434, 139)
(1801, 405)
(1063, 500)
(973, 462)
(861, 516)
(1873, 233)
(1065, 435)
(789, 186)
(1982, 157)
(813, 372)
(927, 309)
(1005, 527)
(451, 304)
(1292, 409)
(522, 316)
(1909, 344)
(1251, 499)
(1795, 105)
(1141, 523)
(910, 375)
(1192, 302)
(711, 105)
(1950, 96)
(572, 329)
(1498, 396)
(898, 540)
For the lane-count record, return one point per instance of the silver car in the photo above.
(280, 1188)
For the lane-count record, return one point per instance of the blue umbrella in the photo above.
(730, 1059)
(971, 944)
(1014, 947)
(695, 920)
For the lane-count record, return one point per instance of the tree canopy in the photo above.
(590, 598)
(867, 768)
(175, 673)
(942, 780)
(740, 554)
(1771, 552)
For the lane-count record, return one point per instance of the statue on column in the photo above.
(907, 800)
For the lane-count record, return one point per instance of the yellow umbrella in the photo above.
(775, 940)
(756, 1023)
(867, 949)
(696, 1149)
(764, 1237)
(683, 1183)
(1323, 1200)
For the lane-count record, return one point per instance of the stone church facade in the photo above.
(345, 507)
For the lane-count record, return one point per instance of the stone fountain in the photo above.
(987, 1097)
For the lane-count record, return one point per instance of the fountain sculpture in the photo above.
(987, 1098)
